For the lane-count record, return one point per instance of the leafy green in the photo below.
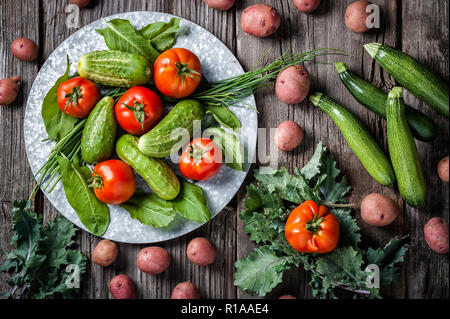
(121, 35)
(162, 35)
(93, 213)
(38, 263)
(57, 123)
(191, 203)
(264, 215)
(224, 116)
(231, 147)
(151, 210)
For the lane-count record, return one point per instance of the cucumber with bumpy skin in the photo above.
(403, 151)
(155, 171)
(115, 68)
(359, 139)
(422, 127)
(412, 75)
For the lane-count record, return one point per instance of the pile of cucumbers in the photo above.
(403, 122)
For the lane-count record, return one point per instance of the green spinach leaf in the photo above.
(121, 35)
(57, 123)
(231, 147)
(191, 203)
(224, 116)
(93, 213)
(151, 210)
(162, 35)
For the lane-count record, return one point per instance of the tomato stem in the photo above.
(183, 70)
(95, 181)
(73, 96)
(138, 110)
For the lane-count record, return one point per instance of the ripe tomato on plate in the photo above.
(177, 73)
(113, 182)
(138, 110)
(77, 96)
(200, 160)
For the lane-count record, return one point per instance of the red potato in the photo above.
(122, 287)
(436, 234)
(105, 253)
(442, 169)
(260, 20)
(153, 260)
(292, 85)
(378, 210)
(201, 252)
(9, 89)
(306, 6)
(81, 3)
(24, 49)
(220, 4)
(185, 290)
(356, 16)
(287, 297)
(288, 136)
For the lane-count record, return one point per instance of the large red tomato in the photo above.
(200, 160)
(177, 73)
(138, 110)
(77, 96)
(113, 182)
(312, 229)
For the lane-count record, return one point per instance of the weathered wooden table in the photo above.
(419, 28)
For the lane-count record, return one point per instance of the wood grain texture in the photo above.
(420, 28)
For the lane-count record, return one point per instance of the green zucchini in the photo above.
(155, 171)
(359, 139)
(422, 127)
(403, 151)
(159, 141)
(115, 68)
(99, 133)
(413, 76)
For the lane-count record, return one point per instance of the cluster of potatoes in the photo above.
(154, 260)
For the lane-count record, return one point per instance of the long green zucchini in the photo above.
(359, 139)
(413, 76)
(422, 127)
(403, 151)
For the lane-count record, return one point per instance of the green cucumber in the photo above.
(413, 76)
(115, 68)
(359, 139)
(422, 127)
(99, 133)
(159, 141)
(158, 175)
(403, 151)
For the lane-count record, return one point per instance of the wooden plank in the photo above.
(14, 170)
(425, 37)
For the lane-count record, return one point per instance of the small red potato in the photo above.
(122, 287)
(288, 136)
(306, 6)
(9, 89)
(442, 169)
(81, 3)
(436, 234)
(105, 253)
(201, 252)
(153, 260)
(378, 210)
(287, 297)
(356, 16)
(260, 20)
(24, 49)
(292, 85)
(220, 4)
(185, 290)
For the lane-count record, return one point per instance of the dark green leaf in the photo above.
(349, 230)
(224, 116)
(92, 213)
(57, 123)
(191, 203)
(314, 166)
(332, 190)
(232, 149)
(162, 35)
(121, 35)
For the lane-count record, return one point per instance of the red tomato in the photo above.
(201, 159)
(113, 182)
(312, 229)
(177, 73)
(138, 110)
(77, 96)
